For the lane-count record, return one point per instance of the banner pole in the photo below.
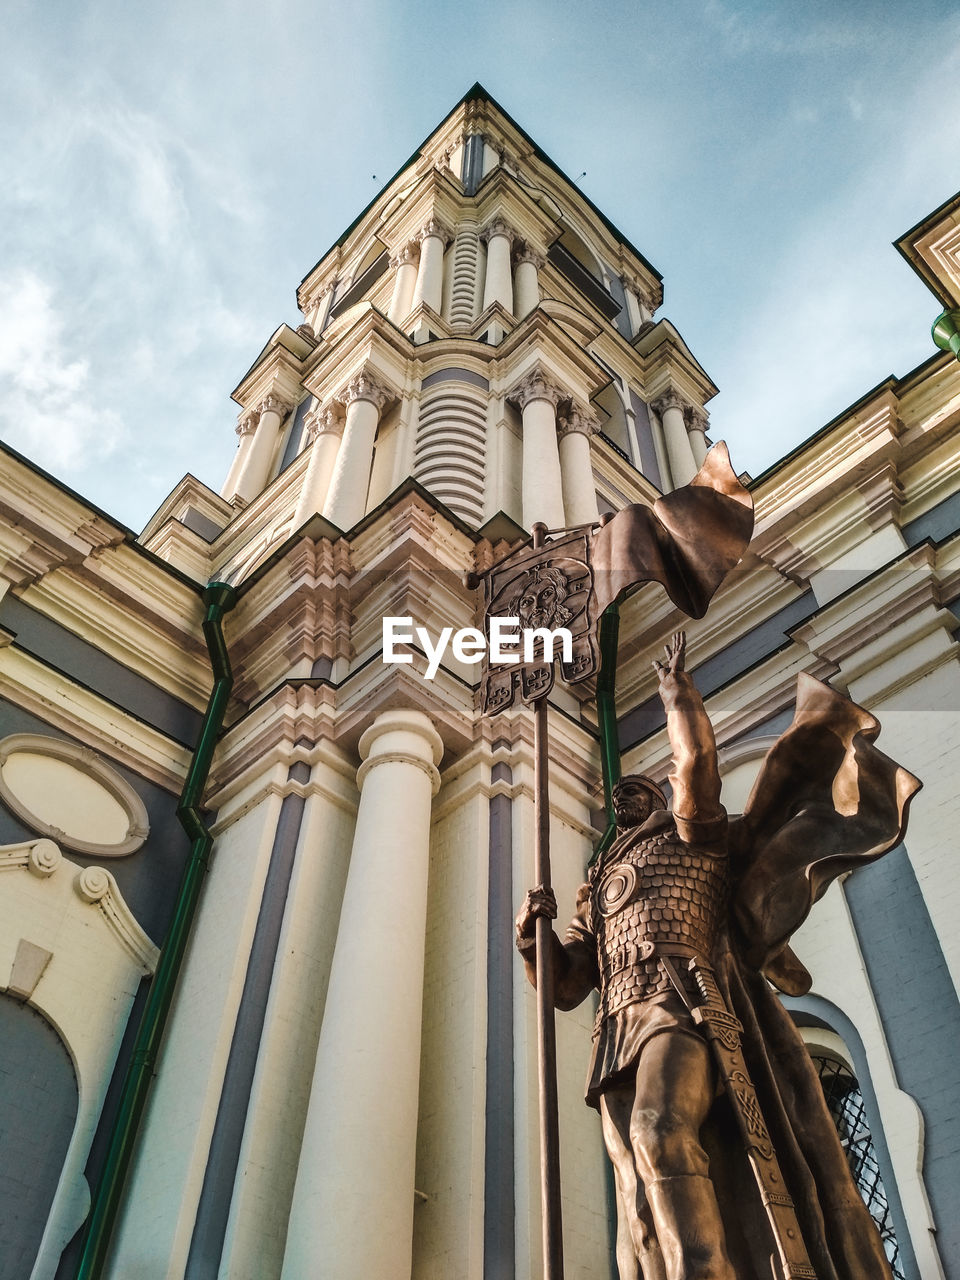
(546, 1027)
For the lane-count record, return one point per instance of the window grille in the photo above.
(846, 1106)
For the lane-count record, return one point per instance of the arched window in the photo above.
(846, 1105)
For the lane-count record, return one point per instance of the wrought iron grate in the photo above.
(845, 1102)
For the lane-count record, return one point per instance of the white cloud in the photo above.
(47, 408)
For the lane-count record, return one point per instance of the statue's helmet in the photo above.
(637, 784)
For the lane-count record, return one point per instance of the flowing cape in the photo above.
(826, 801)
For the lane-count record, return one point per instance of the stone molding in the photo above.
(86, 763)
(574, 420)
(536, 385)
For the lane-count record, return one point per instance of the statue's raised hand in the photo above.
(675, 652)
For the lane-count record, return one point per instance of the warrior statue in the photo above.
(683, 896)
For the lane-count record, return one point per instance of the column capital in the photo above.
(434, 227)
(329, 420)
(247, 422)
(402, 735)
(523, 251)
(497, 227)
(274, 404)
(669, 399)
(536, 385)
(408, 254)
(574, 420)
(365, 386)
(697, 419)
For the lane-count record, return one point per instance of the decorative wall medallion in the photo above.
(68, 793)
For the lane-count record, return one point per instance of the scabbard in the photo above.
(723, 1030)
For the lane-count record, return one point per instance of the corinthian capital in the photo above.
(697, 419)
(274, 404)
(535, 385)
(576, 420)
(409, 253)
(435, 228)
(364, 386)
(325, 422)
(247, 422)
(524, 252)
(671, 399)
(497, 227)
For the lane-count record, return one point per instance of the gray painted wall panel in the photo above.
(455, 375)
(213, 1211)
(90, 667)
(648, 454)
(937, 523)
(498, 1213)
(38, 1110)
(920, 1011)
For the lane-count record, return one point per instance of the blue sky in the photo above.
(172, 171)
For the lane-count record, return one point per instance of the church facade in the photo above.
(286, 1034)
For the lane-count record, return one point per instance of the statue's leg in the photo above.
(674, 1091)
(637, 1246)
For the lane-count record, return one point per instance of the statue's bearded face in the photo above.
(633, 802)
(537, 606)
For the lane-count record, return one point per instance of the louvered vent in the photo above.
(450, 457)
(463, 297)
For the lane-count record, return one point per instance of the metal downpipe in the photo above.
(219, 598)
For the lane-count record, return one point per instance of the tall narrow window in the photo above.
(845, 1101)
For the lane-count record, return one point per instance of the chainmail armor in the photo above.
(660, 892)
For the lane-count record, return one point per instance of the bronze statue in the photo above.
(726, 1160)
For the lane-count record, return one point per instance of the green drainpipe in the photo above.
(946, 332)
(219, 598)
(607, 720)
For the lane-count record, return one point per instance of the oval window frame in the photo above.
(85, 761)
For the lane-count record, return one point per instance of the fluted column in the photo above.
(405, 280)
(527, 291)
(246, 426)
(324, 429)
(542, 485)
(254, 472)
(697, 420)
(346, 497)
(498, 282)
(352, 1209)
(670, 408)
(579, 492)
(429, 287)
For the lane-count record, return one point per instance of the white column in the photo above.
(683, 468)
(579, 492)
(405, 266)
(254, 472)
(541, 485)
(498, 282)
(346, 497)
(429, 287)
(527, 294)
(697, 420)
(324, 429)
(246, 426)
(352, 1210)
